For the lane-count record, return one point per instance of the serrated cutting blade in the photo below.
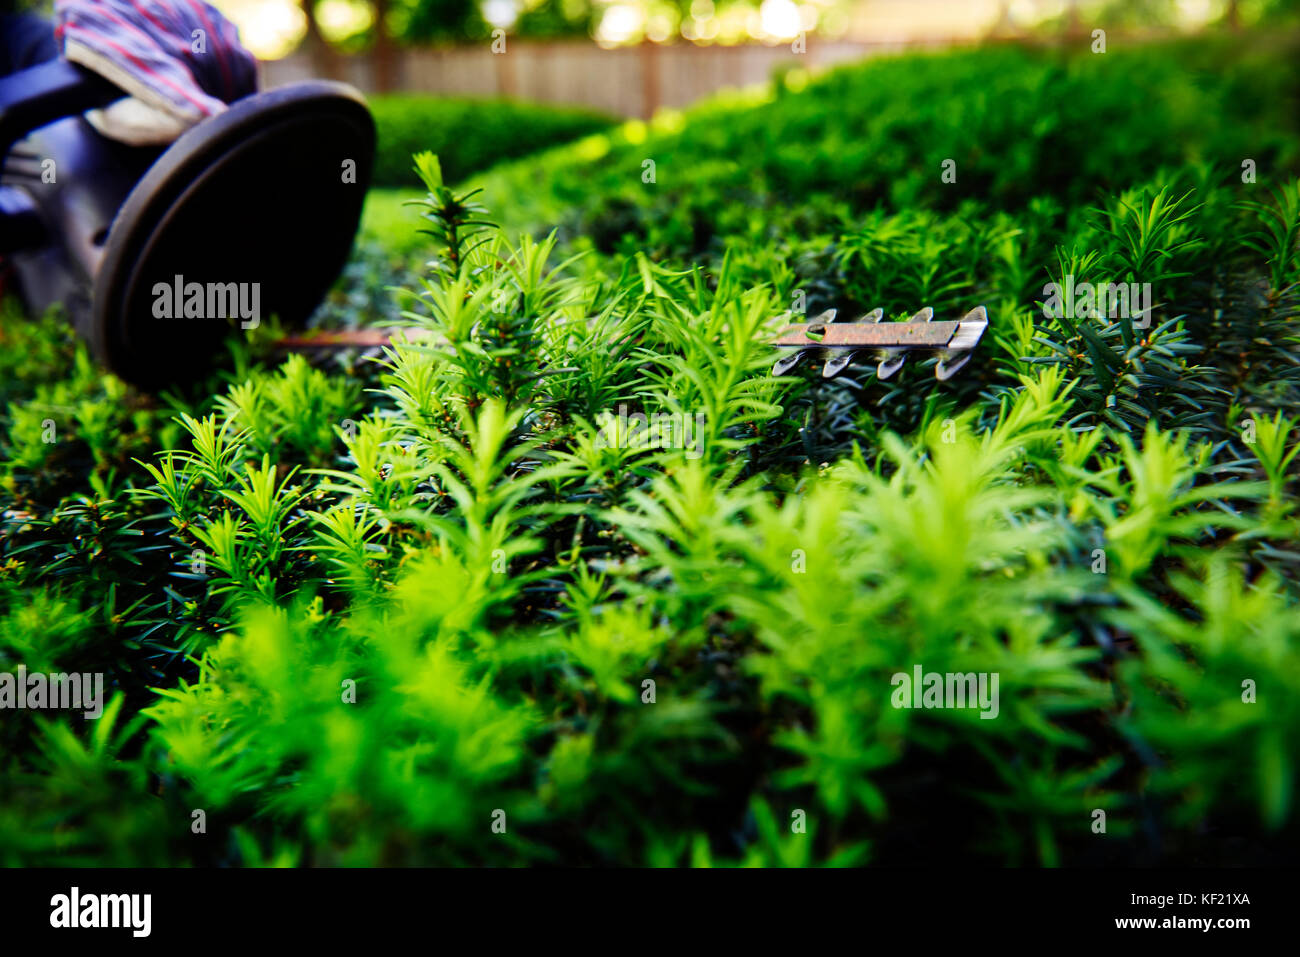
(890, 343)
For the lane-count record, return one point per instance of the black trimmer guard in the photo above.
(153, 253)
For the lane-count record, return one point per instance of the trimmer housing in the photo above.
(264, 197)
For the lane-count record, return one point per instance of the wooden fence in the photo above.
(628, 81)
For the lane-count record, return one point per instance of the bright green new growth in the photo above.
(353, 614)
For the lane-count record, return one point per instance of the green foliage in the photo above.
(793, 160)
(469, 136)
(1279, 237)
(360, 609)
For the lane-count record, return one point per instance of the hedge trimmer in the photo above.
(887, 343)
(109, 235)
(257, 202)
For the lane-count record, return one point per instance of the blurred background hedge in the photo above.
(469, 135)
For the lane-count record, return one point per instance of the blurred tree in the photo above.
(1276, 11)
(1073, 22)
(1142, 13)
(424, 21)
(385, 55)
(557, 18)
(324, 58)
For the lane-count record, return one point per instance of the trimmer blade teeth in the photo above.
(888, 367)
(837, 364)
(889, 343)
(946, 369)
(787, 363)
(891, 360)
(969, 331)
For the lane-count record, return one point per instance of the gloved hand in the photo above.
(180, 60)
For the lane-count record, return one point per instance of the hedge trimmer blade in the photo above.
(889, 343)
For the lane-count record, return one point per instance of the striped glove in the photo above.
(179, 61)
